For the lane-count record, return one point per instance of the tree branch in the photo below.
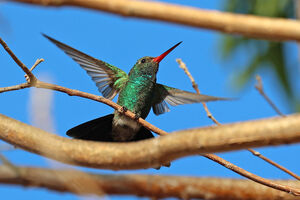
(153, 152)
(142, 185)
(32, 78)
(251, 176)
(260, 89)
(246, 25)
(183, 66)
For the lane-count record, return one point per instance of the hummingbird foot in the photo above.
(136, 117)
(123, 109)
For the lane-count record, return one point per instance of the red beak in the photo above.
(159, 58)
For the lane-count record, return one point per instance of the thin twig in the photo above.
(246, 25)
(32, 78)
(37, 62)
(258, 154)
(183, 66)
(15, 87)
(259, 87)
(251, 176)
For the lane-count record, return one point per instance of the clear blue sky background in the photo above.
(121, 41)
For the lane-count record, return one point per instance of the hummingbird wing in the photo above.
(108, 78)
(164, 94)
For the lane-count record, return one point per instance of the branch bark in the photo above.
(153, 152)
(142, 185)
(246, 25)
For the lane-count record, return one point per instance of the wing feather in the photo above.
(164, 94)
(109, 79)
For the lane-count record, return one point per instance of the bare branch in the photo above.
(247, 25)
(15, 87)
(152, 152)
(183, 66)
(251, 176)
(144, 185)
(32, 78)
(259, 87)
(256, 153)
(37, 62)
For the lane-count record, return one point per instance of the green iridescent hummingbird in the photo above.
(138, 92)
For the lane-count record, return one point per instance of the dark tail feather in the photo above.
(97, 130)
(100, 130)
(143, 134)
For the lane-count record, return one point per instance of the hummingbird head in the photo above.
(149, 65)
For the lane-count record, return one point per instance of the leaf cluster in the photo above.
(273, 57)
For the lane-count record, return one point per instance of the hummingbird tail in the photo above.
(143, 134)
(100, 129)
(97, 129)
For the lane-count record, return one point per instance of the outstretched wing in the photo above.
(164, 94)
(109, 79)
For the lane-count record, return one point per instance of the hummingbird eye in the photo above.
(143, 60)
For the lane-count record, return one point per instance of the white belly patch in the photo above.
(126, 121)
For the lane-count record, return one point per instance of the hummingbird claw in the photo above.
(136, 117)
(123, 109)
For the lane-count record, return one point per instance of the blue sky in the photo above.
(121, 41)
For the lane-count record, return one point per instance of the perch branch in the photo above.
(246, 25)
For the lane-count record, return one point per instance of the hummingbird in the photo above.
(138, 92)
